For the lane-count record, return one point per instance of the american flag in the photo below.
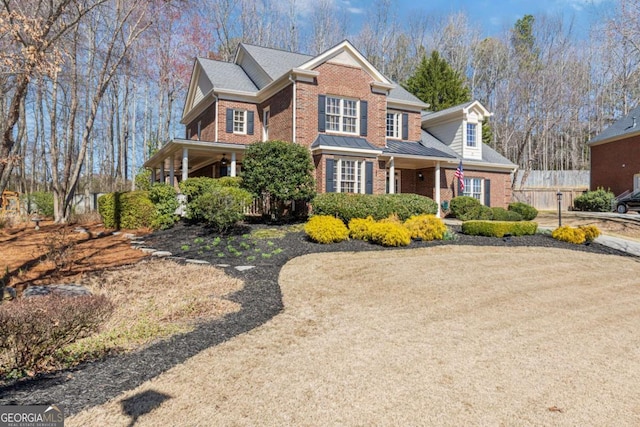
(460, 175)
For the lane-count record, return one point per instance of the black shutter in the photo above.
(405, 126)
(329, 177)
(368, 177)
(229, 120)
(322, 100)
(363, 118)
(487, 192)
(249, 122)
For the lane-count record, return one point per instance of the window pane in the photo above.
(471, 135)
(238, 121)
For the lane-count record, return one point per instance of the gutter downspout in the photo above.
(292, 80)
(215, 119)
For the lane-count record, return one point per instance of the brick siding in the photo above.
(614, 164)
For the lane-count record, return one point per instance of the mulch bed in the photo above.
(94, 383)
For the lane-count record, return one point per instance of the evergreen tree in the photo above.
(437, 84)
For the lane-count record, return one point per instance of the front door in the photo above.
(397, 181)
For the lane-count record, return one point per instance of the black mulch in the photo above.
(94, 383)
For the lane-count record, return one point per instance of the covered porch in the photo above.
(180, 159)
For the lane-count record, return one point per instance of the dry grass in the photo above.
(448, 335)
(157, 298)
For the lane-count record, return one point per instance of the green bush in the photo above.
(527, 212)
(347, 206)
(34, 330)
(460, 205)
(426, 227)
(229, 181)
(130, 210)
(165, 200)
(499, 228)
(360, 228)
(569, 234)
(282, 171)
(220, 208)
(143, 180)
(194, 187)
(501, 214)
(599, 200)
(390, 234)
(326, 229)
(479, 212)
(42, 202)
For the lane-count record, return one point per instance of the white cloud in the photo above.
(579, 5)
(355, 10)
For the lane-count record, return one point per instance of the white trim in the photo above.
(330, 149)
(341, 115)
(243, 121)
(199, 129)
(266, 121)
(392, 175)
(397, 125)
(216, 115)
(437, 189)
(406, 105)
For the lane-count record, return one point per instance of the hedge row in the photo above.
(468, 208)
(499, 228)
(347, 206)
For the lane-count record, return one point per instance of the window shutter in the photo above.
(229, 120)
(487, 192)
(363, 118)
(405, 126)
(368, 177)
(322, 100)
(250, 122)
(329, 176)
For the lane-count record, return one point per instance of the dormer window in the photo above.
(472, 140)
(341, 115)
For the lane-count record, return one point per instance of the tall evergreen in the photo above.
(437, 84)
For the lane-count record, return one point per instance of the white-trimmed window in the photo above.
(199, 129)
(394, 122)
(473, 188)
(341, 115)
(472, 135)
(240, 121)
(348, 176)
(266, 116)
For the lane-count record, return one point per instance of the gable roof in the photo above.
(624, 127)
(226, 75)
(274, 62)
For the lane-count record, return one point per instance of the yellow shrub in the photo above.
(569, 234)
(360, 228)
(390, 234)
(392, 219)
(590, 232)
(326, 229)
(425, 227)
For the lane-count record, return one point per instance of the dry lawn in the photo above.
(448, 335)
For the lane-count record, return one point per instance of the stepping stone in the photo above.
(222, 265)
(176, 258)
(129, 235)
(148, 250)
(68, 290)
(80, 230)
(244, 267)
(116, 233)
(197, 261)
(137, 242)
(161, 254)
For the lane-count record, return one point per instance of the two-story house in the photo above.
(366, 133)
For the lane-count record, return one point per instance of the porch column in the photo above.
(172, 168)
(153, 175)
(162, 181)
(233, 164)
(185, 164)
(392, 176)
(437, 189)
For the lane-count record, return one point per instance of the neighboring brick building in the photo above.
(615, 155)
(360, 127)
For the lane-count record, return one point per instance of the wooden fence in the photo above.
(541, 187)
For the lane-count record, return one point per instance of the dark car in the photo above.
(629, 202)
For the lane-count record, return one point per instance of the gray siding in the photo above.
(449, 133)
(254, 71)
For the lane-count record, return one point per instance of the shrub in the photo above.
(460, 205)
(34, 330)
(347, 206)
(591, 232)
(360, 228)
(326, 229)
(229, 181)
(501, 214)
(479, 212)
(220, 208)
(194, 187)
(595, 201)
(426, 227)
(165, 200)
(130, 210)
(569, 234)
(143, 180)
(527, 212)
(390, 234)
(282, 171)
(499, 228)
(42, 202)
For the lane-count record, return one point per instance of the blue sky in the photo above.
(495, 16)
